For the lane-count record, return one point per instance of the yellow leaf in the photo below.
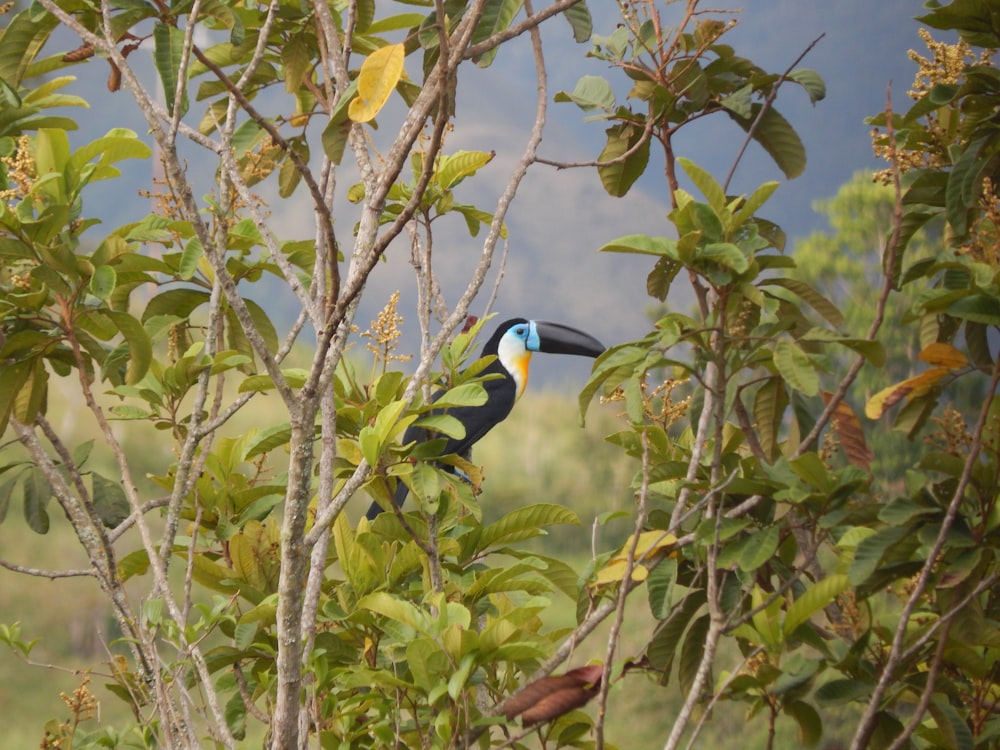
(379, 75)
(650, 543)
(909, 389)
(943, 355)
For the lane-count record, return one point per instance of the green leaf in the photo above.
(579, 19)
(778, 138)
(591, 93)
(809, 295)
(811, 81)
(843, 691)
(467, 394)
(619, 172)
(663, 647)
(809, 722)
(691, 653)
(497, 15)
(167, 54)
(871, 550)
(704, 181)
(140, 346)
(178, 302)
(659, 587)
(110, 502)
(760, 548)
(454, 168)
(795, 367)
(103, 282)
(6, 490)
(20, 42)
(815, 598)
(193, 252)
(641, 244)
(524, 523)
(383, 603)
(37, 493)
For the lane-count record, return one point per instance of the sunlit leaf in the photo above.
(795, 367)
(379, 74)
(812, 600)
(591, 93)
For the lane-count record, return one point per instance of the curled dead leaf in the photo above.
(83, 52)
(551, 697)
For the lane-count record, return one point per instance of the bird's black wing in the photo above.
(478, 420)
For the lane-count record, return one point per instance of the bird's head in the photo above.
(515, 340)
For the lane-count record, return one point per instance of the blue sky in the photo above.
(560, 218)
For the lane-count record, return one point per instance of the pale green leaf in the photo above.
(591, 93)
(795, 367)
(524, 523)
(816, 597)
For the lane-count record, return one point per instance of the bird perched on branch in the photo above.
(512, 343)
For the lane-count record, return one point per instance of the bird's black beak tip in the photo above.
(556, 338)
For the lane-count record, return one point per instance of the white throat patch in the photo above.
(515, 358)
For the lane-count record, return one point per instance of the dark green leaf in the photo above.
(110, 502)
(37, 493)
(811, 81)
(808, 720)
(167, 55)
(579, 19)
(778, 138)
(691, 653)
(623, 159)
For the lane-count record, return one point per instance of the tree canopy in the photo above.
(210, 497)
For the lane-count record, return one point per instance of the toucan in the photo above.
(512, 343)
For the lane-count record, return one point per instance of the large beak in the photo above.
(555, 338)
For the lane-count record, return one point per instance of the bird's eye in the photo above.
(520, 330)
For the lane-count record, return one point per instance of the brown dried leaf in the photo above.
(83, 52)
(852, 435)
(114, 77)
(551, 697)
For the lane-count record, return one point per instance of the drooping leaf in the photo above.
(579, 19)
(36, 495)
(167, 55)
(497, 15)
(811, 81)
(871, 550)
(769, 407)
(812, 600)
(623, 159)
(808, 720)
(380, 72)
(812, 297)
(691, 653)
(649, 546)
(140, 347)
(909, 389)
(851, 434)
(778, 138)
(795, 367)
(110, 502)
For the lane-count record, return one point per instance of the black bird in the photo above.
(513, 343)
